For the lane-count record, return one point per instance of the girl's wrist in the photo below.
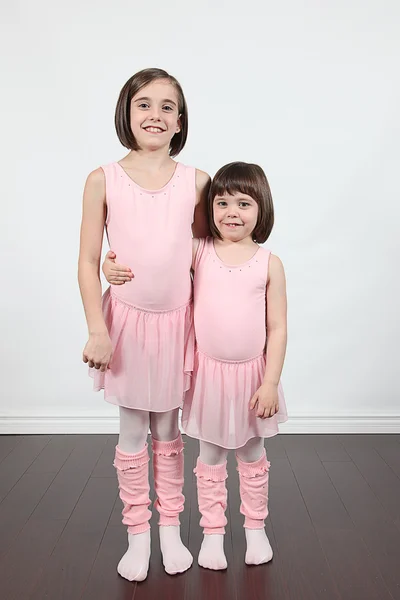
(98, 332)
(270, 383)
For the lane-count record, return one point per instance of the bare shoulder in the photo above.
(95, 188)
(96, 178)
(276, 271)
(202, 180)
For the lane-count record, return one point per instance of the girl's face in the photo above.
(235, 216)
(154, 115)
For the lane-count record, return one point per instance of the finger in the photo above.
(253, 402)
(103, 368)
(91, 364)
(120, 269)
(110, 255)
(84, 358)
(97, 366)
(260, 411)
(119, 281)
(120, 277)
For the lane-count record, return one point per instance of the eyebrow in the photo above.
(239, 198)
(148, 100)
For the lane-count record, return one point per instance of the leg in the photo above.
(212, 494)
(168, 483)
(253, 468)
(132, 464)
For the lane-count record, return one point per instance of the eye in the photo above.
(221, 203)
(168, 108)
(244, 204)
(143, 105)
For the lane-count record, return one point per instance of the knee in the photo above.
(252, 451)
(132, 442)
(164, 427)
(212, 455)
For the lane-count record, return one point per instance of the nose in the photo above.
(232, 212)
(155, 113)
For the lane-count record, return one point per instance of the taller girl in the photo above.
(141, 339)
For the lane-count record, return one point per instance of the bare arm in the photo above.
(92, 228)
(276, 321)
(200, 227)
(266, 399)
(195, 245)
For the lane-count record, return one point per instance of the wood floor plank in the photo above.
(328, 447)
(275, 448)
(22, 566)
(63, 494)
(65, 574)
(7, 444)
(380, 477)
(105, 464)
(22, 500)
(306, 569)
(54, 454)
(354, 571)
(19, 460)
(17, 507)
(371, 520)
(388, 447)
(104, 583)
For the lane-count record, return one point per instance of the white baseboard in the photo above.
(296, 424)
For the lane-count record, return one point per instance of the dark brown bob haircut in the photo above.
(123, 109)
(244, 178)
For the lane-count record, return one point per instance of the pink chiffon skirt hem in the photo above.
(216, 408)
(153, 354)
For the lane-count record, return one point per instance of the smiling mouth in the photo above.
(153, 129)
(233, 225)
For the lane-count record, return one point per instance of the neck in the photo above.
(247, 241)
(150, 160)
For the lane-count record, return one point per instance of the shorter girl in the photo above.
(236, 398)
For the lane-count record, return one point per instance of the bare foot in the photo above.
(134, 564)
(259, 549)
(212, 555)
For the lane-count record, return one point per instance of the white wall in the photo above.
(309, 90)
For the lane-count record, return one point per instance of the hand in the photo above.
(265, 400)
(114, 273)
(98, 351)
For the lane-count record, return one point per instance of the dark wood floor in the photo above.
(334, 523)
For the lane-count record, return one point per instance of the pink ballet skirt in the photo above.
(149, 351)
(216, 407)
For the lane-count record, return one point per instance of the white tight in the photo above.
(135, 424)
(210, 454)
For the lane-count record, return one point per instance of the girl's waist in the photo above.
(148, 302)
(229, 361)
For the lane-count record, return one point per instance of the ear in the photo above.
(179, 125)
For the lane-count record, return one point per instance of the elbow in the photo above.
(88, 266)
(278, 332)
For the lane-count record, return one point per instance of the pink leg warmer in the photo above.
(168, 479)
(134, 489)
(212, 496)
(253, 478)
